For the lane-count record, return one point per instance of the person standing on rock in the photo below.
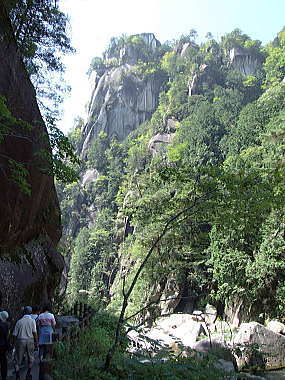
(46, 323)
(4, 344)
(26, 341)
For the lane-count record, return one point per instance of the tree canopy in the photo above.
(226, 150)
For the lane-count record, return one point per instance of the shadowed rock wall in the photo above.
(30, 225)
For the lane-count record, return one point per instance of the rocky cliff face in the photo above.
(29, 224)
(121, 99)
(244, 61)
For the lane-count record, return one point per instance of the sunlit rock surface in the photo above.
(121, 99)
(244, 61)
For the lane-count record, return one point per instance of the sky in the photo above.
(93, 23)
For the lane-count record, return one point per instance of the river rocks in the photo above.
(30, 227)
(271, 346)
(181, 327)
(221, 327)
(177, 332)
(226, 366)
(216, 346)
(276, 326)
(245, 376)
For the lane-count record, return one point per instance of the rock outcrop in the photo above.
(271, 352)
(277, 327)
(29, 224)
(244, 61)
(121, 99)
(158, 141)
(206, 75)
(217, 347)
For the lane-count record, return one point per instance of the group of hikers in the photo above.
(31, 333)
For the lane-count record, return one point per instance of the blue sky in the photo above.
(261, 19)
(94, 22)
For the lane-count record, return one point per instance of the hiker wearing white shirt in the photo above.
(26, 340)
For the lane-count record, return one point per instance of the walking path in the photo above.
(78, 317)
(23, 370)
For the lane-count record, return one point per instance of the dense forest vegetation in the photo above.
(221, 177)
(201, 217)
(188, 206)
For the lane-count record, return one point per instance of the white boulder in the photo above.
(271, 351)
(277, 327)
(182, 327)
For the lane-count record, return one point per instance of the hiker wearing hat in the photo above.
(26, 340)
(4, 345)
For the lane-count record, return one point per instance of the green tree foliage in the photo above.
(227, 151)
(253, 118)
(246, 241)
(97, 64)
(97, 154)
(40, 30)
(275, 62)
(234, 39)
(84, 360)
(148, 60)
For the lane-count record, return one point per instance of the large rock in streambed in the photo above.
(176, 332)
(271, 352)
(181, 327)
(216, 346)
(276, 327)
